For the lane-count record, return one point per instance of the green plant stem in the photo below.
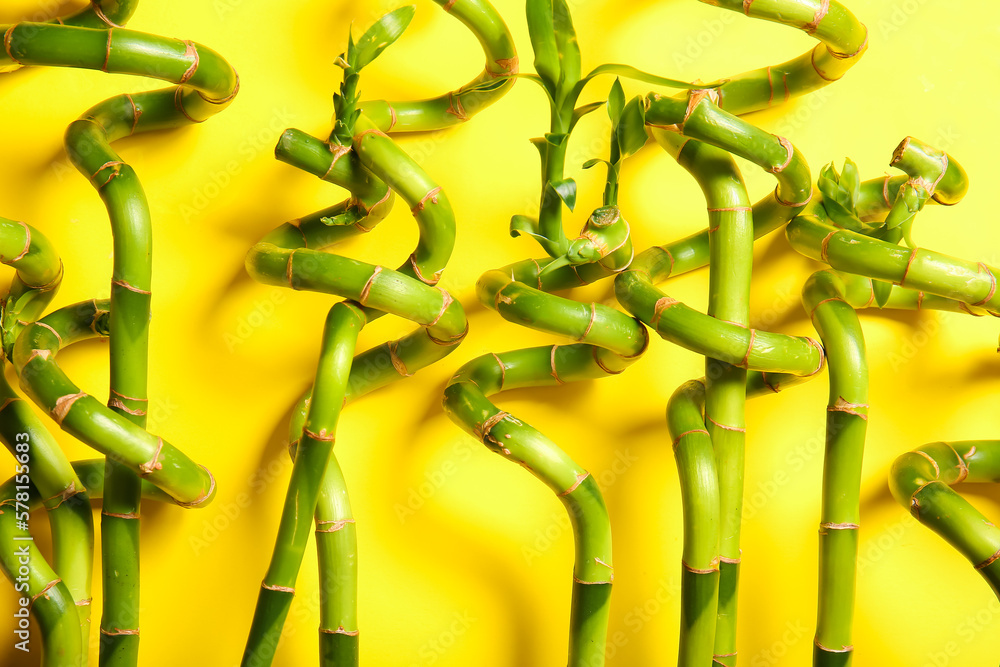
(921, 481)
(52, 601)
(843, 41)
(457, 106)
(700, 496)
(314, 451)
(101, 14)
(37, 278)
(846, 423)
(86, 418)
(730, 265)
(466, 402)
(372, 169)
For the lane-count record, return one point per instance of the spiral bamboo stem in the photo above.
(363, 159)
(204, 84)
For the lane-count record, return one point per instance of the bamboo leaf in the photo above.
(523, 225)
(616, 101)
(882, 291)
(630, 133)
(380, 36)
(582, 111)
(629, 72)
(568, 47)
(566, 190)
(850, 181)
(541, 30)
(596, 161)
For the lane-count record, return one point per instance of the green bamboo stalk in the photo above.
(466, 402)
(731, 259)
(37, 278)
(314, 451)
(51, 600)
(101, 14)
(698, 472)
(846, 424)
(63, 495)
(843, 41)
(84, 417)
(360, 157)
(459, 105)
(921, 481)
(207, 85)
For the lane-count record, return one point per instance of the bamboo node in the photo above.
(843, 405)
(340, 630)
(431, 195)
(27, 245)
(484, 428)
(84, 603)
(993, 285)
(580, 476)
(746, 357)
(334, 526)
(726, 427)
(847, 56)
(661, 305)
(446, 301)
(812, 59)
(203, 497)
(590, 322)
(117, 632)
(9, 401)
(909, 263)
(448, 5)
(7, 36)
(746, 6)
(190, 51)
(680, 437)
(838, 526)
(338, 151)
(322, 436)
(96, 7)
(54, 332)
(730, 561)
(821, 12)
(63, 404)
(44, 591)
(129, 515)
(696, 570)
(989, 561)
(552, 364)
(179, 105)
(508, 66)
(129, 286)
(114, 165)
(937, 468)
(503, 369)
(392, 117)
(455, 107)
(366, 290)
(397, 362)
(787, 204)
(153, 464)
(790, 152)
(843, 649)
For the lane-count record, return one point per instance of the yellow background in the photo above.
(458, 548)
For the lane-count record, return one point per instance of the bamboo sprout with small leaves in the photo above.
(360, 157)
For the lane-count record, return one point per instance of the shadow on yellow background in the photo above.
(466, 559)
